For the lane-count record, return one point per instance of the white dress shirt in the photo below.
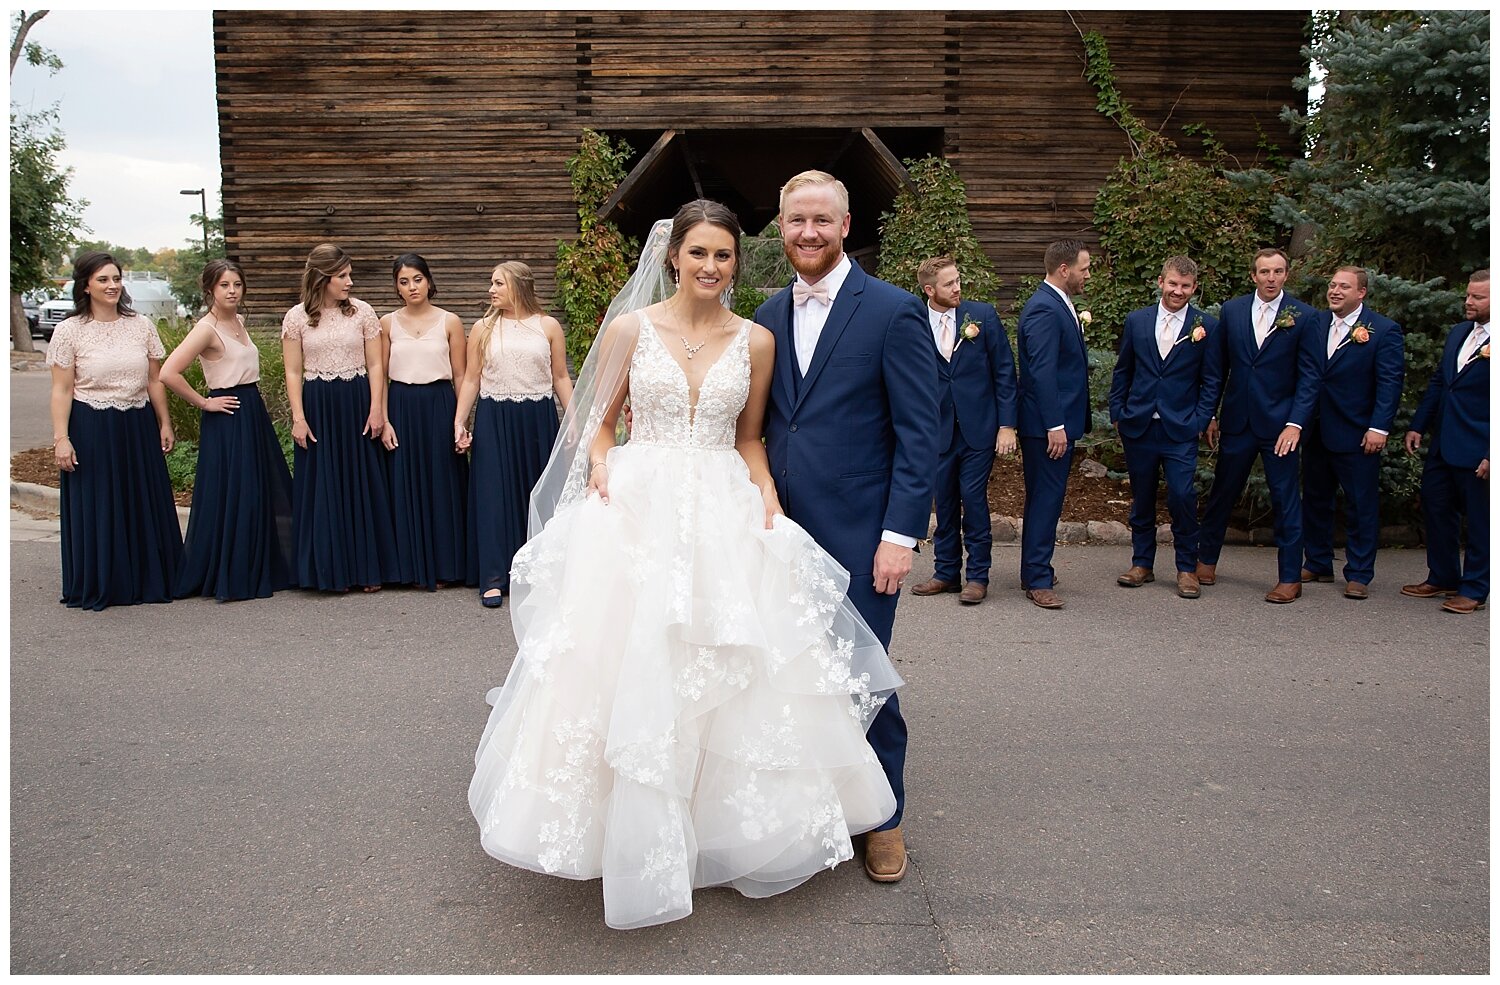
(809, 317)
(1478, 336)
(1263, 316)
(935, 321)
(808, 320)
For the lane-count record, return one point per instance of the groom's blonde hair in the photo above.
(840, 193)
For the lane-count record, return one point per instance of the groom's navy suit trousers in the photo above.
(853, 447)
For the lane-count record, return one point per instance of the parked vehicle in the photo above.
(150, 295)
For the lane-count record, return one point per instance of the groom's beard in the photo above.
(815, 268)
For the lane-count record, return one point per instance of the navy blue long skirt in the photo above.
(512, 440)
(121, 543)
(239, 537)
(342, 531)
(428, 485)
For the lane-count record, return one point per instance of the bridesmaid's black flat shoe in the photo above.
(492, 601)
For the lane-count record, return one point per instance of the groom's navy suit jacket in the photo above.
(1361, 382)
(853, 444)
(977, 387)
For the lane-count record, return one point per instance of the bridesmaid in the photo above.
(239, 536)
(423, 347)
(121, 543)
(342, 530)
(516, 363)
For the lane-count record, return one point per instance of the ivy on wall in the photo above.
(592, 269)
(934, 222)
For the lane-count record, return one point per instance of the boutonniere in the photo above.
(1359, 335)
(1085, 318)
(1288, 317)
(967, 332)
(1484, 353)
(1197, 333)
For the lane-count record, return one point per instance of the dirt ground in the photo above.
(37, 465)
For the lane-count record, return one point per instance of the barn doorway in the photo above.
(745, 170)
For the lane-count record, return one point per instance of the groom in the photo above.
(851, 432)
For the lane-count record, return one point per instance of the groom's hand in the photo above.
(892, 565)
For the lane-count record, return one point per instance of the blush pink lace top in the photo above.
(110, 360)
(517, 362)
(335, 350)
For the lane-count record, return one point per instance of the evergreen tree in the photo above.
(1397, 173)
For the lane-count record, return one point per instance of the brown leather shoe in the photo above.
(1187, 584)
(934, 586)
(1308, 576)
(1044, 597)
(1427, 590)
(1355, 590)
(1462, 604)
(973, 593)
(885, 855)
(1135, 577)
(1284, 591)
(1205, 573)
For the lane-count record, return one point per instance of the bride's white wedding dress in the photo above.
(688, 700)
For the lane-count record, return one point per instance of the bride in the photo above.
(689, 696)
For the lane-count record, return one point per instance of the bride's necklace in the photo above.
(694, 349)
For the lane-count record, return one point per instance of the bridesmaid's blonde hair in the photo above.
(323, 264)
(521, 283)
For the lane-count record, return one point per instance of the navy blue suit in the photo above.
(1265, 389)
(1161, 406)
(1054, 392)
(1360, 391)
(853, 446)
(976, 397)
(1455, 411)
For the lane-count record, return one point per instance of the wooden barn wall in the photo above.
(448, 132)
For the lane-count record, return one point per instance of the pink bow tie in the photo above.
(801, 292)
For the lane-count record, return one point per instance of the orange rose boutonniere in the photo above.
(967, 332)
(1197, 333)
(1485, 352)
(1360, 334)
(1289, 317)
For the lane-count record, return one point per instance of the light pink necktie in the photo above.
(945, 324)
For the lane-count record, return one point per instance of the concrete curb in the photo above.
(45, 499)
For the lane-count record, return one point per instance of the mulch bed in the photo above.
(37, 465)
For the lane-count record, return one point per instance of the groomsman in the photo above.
(1456, 475)
(1163, 394)
(1053, 410)
(1269, 359)
(976, 421)
(1361, 390)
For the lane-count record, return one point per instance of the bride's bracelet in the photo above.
(594, 466)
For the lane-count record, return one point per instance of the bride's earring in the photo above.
(675, 275)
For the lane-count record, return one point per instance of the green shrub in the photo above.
(593, 268)
(182, 465)
(934, 222)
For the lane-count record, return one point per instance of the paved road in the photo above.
(1137, 783)
(30, 425)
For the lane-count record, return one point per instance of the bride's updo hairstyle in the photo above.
(697, 211)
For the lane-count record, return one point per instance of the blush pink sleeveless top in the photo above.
(420, 358)
(240, 363)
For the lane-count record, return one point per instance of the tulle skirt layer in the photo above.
(341, 514)
(428, 485)
(688, 703)
(512, 439)
(239, 538)
(121, 542)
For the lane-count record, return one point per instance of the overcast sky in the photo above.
(136, 105)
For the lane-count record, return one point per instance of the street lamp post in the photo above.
(202, 194)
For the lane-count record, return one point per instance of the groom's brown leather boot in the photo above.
(885, 855)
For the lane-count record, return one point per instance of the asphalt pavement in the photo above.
(1135, 783)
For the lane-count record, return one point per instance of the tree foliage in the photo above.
(184, 267)
(592, 269)
(1159, 202)
(1396, 179)
(934, 221)
(44, 221)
